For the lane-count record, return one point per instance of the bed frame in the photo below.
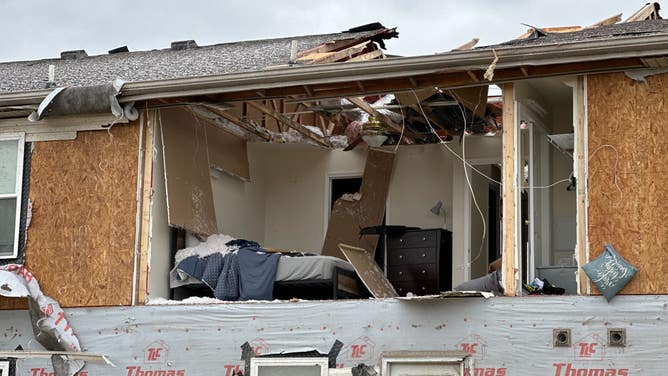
(344, 284)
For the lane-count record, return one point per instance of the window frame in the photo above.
(256, 363)
(20, 139)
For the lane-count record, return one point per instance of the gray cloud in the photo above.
(34, 29)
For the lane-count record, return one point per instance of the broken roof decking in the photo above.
(246, 56)
(638, 28)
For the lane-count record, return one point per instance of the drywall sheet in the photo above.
(349, 216)
(628, 171)
(189, 197)
(80, 242)
(367, 269)
(506, 336)
(227, 152)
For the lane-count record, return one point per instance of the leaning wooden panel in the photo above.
(189, 195)
(81, 237)
(628, 195)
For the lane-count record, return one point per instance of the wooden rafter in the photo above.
(384, 119)
(288, 122)
(212, 110)
(367, 56)
(330, 57)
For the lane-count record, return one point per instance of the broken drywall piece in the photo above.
(351, 197)
(640, 75)
(373, 278)
(49, 323)
(227, 152)
(349, 217)
(187, 180)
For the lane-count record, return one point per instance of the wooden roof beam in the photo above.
(384, 119)
(320, 140)
(331, 57)
(204, 112)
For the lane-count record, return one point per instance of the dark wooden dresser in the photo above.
(420, 261)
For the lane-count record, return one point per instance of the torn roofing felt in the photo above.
(247, 56)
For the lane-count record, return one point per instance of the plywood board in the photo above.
(227, 152)
(628, 170)
(81, 237)
(348, 217)
(373, 278)
(189, 196)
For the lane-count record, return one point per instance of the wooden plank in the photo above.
(579, 160)
(348, 217)
(146, 196)
(367, 269)
(385, 120)
(189, 194)
(238, 122)
(287, 121)
(510, 186)
(608, 21)
(330, 57)
(367, 56)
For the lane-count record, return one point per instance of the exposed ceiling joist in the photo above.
(320, 140)
(206, 112)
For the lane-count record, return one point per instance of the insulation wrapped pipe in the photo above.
(96, 99)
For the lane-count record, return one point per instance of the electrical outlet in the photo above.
(617, 337)
(561, 338)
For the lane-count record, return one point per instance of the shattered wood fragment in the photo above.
(348, 218)
(367, 269)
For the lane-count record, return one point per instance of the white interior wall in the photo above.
(159, 252)
(240, 205)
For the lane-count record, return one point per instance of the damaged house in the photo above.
(314, 206)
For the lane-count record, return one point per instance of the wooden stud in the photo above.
(287, 121)
(146, 196)
(579, 159)
(510, 190)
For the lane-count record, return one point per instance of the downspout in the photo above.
(140, 179)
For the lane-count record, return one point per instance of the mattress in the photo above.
(289, 269)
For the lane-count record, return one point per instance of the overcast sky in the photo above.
(34, 29)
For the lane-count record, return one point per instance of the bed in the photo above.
(302, 277)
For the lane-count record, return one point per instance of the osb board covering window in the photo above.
(81, 237)
(630, 118)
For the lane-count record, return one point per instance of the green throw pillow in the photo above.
(609, 272)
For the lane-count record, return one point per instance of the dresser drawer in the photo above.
(417, 272)
(416, 287)
(410, 256)
(414, 239)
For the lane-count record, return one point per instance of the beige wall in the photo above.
(240, 205)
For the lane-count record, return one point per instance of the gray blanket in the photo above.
(247, 274)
